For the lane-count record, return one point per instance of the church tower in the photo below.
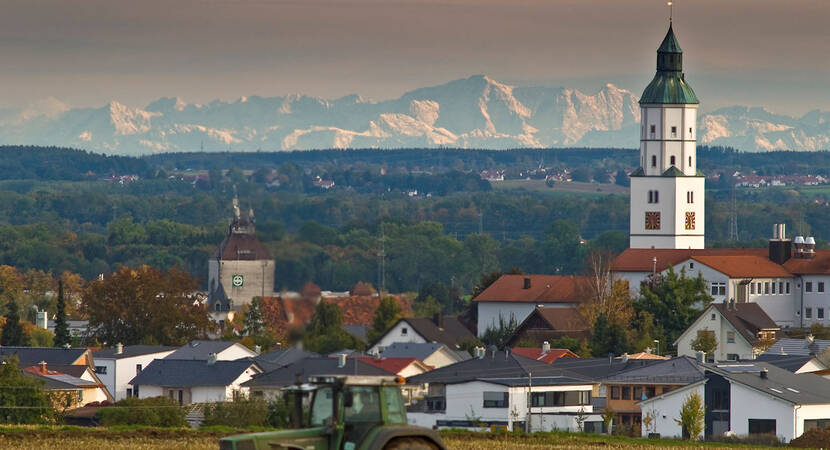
(667, 189)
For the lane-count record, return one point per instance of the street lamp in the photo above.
(656, 341)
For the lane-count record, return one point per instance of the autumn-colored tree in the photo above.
(145, 305)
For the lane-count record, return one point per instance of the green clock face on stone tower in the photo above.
(237, 280)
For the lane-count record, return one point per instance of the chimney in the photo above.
(341, 360)
(43, 367)
(211, 359)
(764, 373)
(780, 248)
(799, 246)
(119, 348)
(700, 357)
(624, 357)
(527, 283)
(809, 247)
(545, 347)
(257, 349)
(438, 319)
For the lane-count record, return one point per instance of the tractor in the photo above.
(343, 413)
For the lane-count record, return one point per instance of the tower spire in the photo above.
(671, 11)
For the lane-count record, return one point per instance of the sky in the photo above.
(771, 53)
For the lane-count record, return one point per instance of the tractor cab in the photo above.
(343, 413)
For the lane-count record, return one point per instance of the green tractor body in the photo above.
(343, 413)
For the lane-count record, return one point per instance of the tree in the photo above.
(61, 327)
(254, 322)
(448, 297)
(325, 333)
(672, 300)
(13, 335)
(145, 306)
(499, 334)
(609, 337)
(22, 397)
(581, 174)
(705, 342)
(386, 316)
(426, 308)
(692, 415)
(621, 179)
(608, 418)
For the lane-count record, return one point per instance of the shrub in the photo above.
(240, 413)
(156, 412)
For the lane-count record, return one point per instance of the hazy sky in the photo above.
(774, 53)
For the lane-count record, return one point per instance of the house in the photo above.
(809, 346)
(440, 329)
(432, 354)
(741, 330)
(193, 380)
(544, 354)
(796, 363)
(627, 388)
(272, 382)
(203, 350)
(73, 389)
(282, 357)
(402, 367)
(549, 324)
(117, 366)
(790, 279)
(32, 356)
(491, 389)
(78, 328)
(746, 399)
(514, 297)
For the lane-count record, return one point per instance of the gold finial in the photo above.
(671, 10)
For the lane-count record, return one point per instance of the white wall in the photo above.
(666, 408)
(258, 279)
(397, 334)
(441, 358)
(489, 312)
(122, 370)
(145, 391)
(810, 412)
(747, 403)
(234, 352)
(721, 327)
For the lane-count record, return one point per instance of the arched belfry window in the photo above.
(672, 160)
(653, 160)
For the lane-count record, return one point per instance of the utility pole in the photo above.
(529, 401)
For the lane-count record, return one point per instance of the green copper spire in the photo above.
(669, 84)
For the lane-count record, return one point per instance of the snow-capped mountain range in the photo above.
(476, 112)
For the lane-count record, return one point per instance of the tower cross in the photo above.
(671, 10)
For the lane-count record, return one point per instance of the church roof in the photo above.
(241, 247)
(669, 83)
(673, 172)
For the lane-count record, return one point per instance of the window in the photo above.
(713, 317)
(650, 391)
(690, 158)
(626, 392)
(691, 265)
(638, 393)
(674, 132)
(730, 337)
(651, 196)
(752, 288)
(808, 313)
(101, 370)
(780, 287)
(615, 392)
(718, 289)
(762, 426)
(773, 287)
(808, 286)
(656, 197)
(672, 161)
(129, 392)
(137, 369)
(821, 424)
(821, 286)
(653, 160)
(788, 287)
(394, 405)
(653, 130)
(322, 407)
(404, 331)
(365, 405)
(732, 357)
(690, 197)
(495, 399)
(766, 287)
(819, 313)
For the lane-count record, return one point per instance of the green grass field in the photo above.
(560, 187)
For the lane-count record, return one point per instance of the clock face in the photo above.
(690, 221)
(237, 280)
(652, 220)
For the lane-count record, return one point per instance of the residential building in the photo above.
(117, 366)
(32, 356)
(194, 381)
(440, 329)
(544, 354)
(283, 357)
(270, 383)
(808, 346)
(627, 388)
(203, 350)
(76, 385)
(746, 399)
(432, 354)
(493, 388)
(741, 331)
(549, 324)
(515, 297)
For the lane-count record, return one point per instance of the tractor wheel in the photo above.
(411, 443)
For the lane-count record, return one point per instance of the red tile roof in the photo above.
(548, 357)
(736, 266)
(241, 247)
(393, 365)
(642, 259)
(360, 310)
(817, 265)
(543, 289)
(734, 262)
(287, 312)
(563, 319)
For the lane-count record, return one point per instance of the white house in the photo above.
(516, 296)
(430, 353)
(493, 389)
(739, 330)
(440, 329)
(204, 349)
(748, 398)
(194, 381)
(117, 366)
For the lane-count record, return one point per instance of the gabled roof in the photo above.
(451, 334)
(747, 318)
(801, 347)
(546, 357)
(191, 372)
(130, 351)
(543, 289)
(819, 264)
(303, 369)
(393, 365)
(642, 259)
(681, 370)
(30, 356)
(744, 266)
(420, 351)
(62, 382)
(498, 365)
(241, 247)
(792, 363)
(560, 319)
(598, 369)
(673, 172)
(201, 349)
(798, 389)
